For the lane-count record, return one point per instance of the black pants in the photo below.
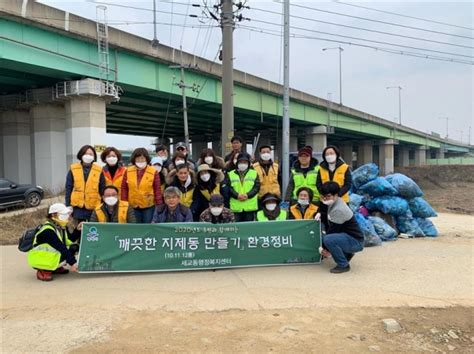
(245, 216)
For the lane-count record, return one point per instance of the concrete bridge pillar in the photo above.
(316, 137)
(49, 146)
(346, 153)
(197, 147)
(386, 156)
(293, 140)
(440, 153)
(16, 146)
(366, 153)
(404, 156)
(420, 156)
(85, 124)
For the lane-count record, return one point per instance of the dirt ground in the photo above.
(425, 284)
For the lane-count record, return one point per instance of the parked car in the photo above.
(16, 194)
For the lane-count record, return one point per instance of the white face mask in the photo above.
(242, 166)
(270, 206)
(209, 160)
(141, 165)
(303, 202)
(328, 202)
(331, 158)
(111, 201)
(87, 158)
(111, 160)
(157, 168)
(179, 162)
(216, 211)
(266, 156)
(205, 177)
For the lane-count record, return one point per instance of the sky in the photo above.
(431, 89)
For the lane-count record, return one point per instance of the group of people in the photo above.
(164, 189)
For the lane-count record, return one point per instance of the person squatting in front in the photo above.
(53, 245)
(343, 237)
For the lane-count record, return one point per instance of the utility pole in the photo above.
(447, 126)
(399, 88)
(286, 96)
(155, 41)
(227, 25)
(340, 70)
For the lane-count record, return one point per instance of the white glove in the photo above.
(317, 217)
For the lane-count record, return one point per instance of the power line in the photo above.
(366, 29)
(379, 21)
(381, 49)
(403, 15)
(366, 40)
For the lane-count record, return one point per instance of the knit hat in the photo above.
(306, 150)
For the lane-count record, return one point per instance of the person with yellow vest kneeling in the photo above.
(85, 183)
(141, 186)
(303, 174)
(244, 185)
(53, 246)
(112, 209)
(304, 209)
(268, 172)
(271, 209)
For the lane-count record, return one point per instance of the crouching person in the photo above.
(112, 209)
(343, 237)
(216, 213)
(52, 245)
(172, 210)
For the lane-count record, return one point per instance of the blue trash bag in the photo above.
(378, 187)
(421, 208)
(388, 205)
(427, 227)
(407, 224)
(364, 174)
(355, 200)
(370, 235)
(384, 230)
(404, 185)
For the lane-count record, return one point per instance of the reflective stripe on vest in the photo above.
(338, 177)
(309, 213)
(262, 217)
(238, 206)
(141, 196)
(268, 182)
(85, 194)
(122, 212)
(44, 256)
(206, 193)
(116, 180)
(309, 181)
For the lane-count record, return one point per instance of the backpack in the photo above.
(25, 243)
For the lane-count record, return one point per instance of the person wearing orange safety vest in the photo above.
(85, 183)
(141, 186)
(303, 209)
(113, 209)
(114, 169)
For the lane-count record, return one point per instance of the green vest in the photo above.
(44, 256)
(261, 216)
(251, 204)
(309, 181)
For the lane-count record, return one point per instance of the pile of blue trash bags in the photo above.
(387, 206)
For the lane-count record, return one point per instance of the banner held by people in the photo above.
(107, 247)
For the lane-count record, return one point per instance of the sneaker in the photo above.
(44, 275)
(337, 269)
(61, 270)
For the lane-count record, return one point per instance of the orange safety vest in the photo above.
(85, 194)
(143, 195)
(116, 180)
(268, 182)
(338, 177)
(206, 193)
(122, 212)
(309, 213)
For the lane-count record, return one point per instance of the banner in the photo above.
(191, 246)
